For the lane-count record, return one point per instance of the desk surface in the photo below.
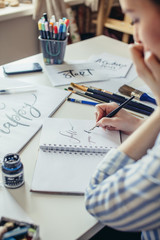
(60, 216)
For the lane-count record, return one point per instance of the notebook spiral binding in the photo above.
(74, 149)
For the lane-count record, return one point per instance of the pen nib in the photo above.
(87, 131)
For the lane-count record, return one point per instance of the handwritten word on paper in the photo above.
(22, 115)
(97, 68)
(114, 65)
(64, 74)
(73, 135)
(109, 65)
(70, 135)
(71, 73)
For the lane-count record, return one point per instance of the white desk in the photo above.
(59, 216)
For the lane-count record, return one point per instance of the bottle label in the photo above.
(13, 181)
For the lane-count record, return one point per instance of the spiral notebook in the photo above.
(69, 154)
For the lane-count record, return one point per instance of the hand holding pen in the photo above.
(109, 116)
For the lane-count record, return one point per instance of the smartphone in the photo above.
(19, 68)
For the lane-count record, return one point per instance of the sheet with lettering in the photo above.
(97, 68)
(113, 84)
(21, 115)
(114, 65)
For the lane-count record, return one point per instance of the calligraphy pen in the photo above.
(111, 114)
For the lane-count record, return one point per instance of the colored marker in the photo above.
(53, 19)
(60, 21)
(66, 22)
(43, 30)
(40, 28)
(82, 101)
(60, 31)
(45, 17)
(47, 30)
(16, 233)
(51, 30)
(63, 35)
(55, 32)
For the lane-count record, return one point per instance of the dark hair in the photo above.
(156, 1)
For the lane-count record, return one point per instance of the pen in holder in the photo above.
(53, 50)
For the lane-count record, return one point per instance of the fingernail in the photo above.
(147, 54)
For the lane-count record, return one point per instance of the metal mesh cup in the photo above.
(53, 50)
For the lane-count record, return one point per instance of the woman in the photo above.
(124, 192)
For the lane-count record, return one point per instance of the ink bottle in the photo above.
(12, 171)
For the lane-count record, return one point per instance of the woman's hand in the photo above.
(148, 68)
(123, 120)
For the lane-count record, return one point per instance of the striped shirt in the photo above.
(125, 194)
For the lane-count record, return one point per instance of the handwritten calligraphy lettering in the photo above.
(22, 112)
(89, 139)
(33, 111)
(22, 116)
(73, 135)
(115, 66)
(72, 73)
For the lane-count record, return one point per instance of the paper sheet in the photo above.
(10, 208)
(21, 115)
(73, 133)
(97, 68)
(69, 171)
(114, 65)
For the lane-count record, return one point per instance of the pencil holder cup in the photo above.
(53, 50)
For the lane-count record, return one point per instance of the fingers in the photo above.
(100, 111)
(137, 52)
(153, 64)
(103, 109)
(148, 68)
(110, 128)
(108, 123)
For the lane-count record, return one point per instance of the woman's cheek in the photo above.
(151, 38)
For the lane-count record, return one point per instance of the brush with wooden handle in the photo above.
(139, 95)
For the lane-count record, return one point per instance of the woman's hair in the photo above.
(156, 1)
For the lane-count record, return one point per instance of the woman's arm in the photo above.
(124, 194)
(143, 138)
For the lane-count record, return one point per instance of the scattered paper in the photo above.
(98, 68)
(21, 115)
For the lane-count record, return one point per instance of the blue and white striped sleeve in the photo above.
(125, 194)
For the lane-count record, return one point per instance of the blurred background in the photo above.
(88, 18)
